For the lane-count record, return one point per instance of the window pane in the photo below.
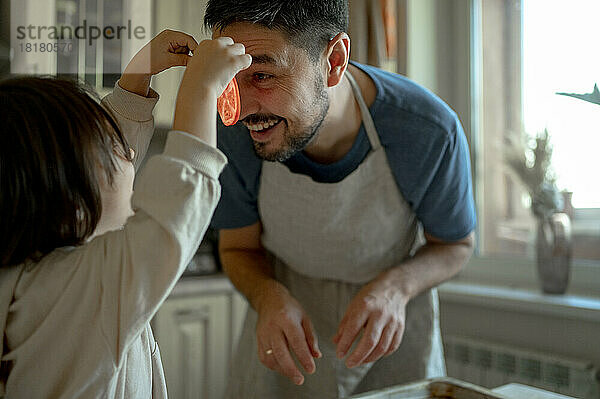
(560, 54)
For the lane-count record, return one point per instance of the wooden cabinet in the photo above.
(197, 329)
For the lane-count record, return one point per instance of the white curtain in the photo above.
(367, 31)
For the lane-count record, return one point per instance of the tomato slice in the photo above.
(228, 104)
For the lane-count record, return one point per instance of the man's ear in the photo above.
(338, 55)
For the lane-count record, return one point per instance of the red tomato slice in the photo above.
(228, 104)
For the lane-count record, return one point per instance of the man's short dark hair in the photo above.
(309, 24)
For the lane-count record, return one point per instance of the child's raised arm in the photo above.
(168, 49)
(175, 197)
(132, 99)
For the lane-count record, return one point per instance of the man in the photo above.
(335, 172)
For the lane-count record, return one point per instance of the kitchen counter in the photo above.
(207, 284)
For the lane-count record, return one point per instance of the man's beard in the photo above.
(297, 142)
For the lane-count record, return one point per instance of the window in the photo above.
(563, 60)
(89, 39)
(98, 61)
(529, 51)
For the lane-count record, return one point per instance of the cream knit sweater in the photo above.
(76, 324)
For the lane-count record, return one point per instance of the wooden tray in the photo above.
(442, 388)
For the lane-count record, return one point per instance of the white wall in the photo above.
(422, 42)
(558, 335)
(182, 15)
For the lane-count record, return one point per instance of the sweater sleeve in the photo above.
(175, 197)
(133, 113)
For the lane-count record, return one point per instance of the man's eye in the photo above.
(261, 77)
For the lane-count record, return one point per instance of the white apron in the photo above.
(326, 240)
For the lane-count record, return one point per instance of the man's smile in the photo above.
(261, 132)
(262, 125)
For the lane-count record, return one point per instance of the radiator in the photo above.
(490, 365)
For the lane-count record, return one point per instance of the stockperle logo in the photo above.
(80, 32)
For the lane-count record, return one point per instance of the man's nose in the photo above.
(249, 102)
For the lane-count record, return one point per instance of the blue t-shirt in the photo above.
(424, 142)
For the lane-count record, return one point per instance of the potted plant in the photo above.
(531, 162)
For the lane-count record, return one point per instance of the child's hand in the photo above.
(167, 49)
(214, 64)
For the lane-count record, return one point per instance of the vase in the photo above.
(554, 252)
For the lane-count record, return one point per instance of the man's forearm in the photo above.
(434, 263)
(250, 272)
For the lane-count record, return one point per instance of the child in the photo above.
(75, 304)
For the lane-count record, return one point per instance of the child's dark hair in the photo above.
(56, 139)
(309, 24)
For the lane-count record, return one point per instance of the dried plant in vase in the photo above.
(532, 165)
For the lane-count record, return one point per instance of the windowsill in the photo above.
(523, 300)
(523, 230)
(521, 273)
(512, 284)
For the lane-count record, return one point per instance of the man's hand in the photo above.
(378, 310)
(167, 49)
(284, 328)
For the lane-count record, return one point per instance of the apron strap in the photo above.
(365, 114)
